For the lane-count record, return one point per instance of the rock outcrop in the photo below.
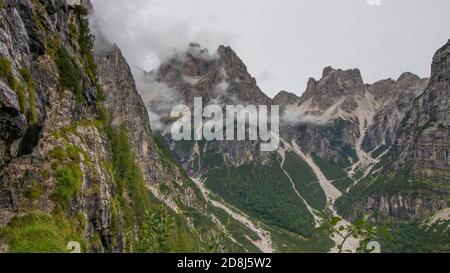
(284, 98)
(77, 154)
(423, 142)
(394, 101)
(50, 144)
(413, 180)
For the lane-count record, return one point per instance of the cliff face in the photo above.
(53, 154)
(394, 99)
(334, 85)
(332, 116)
(423, 141)
(78, 157)
(163, 177)
(414, 179)
(126, 108)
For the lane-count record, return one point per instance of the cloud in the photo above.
(149, 32)
(292, 116)
(157, 96)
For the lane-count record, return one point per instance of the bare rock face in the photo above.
(57, 144)
(284, 98)
(12, 123)
(424, 137)
(220, 77)
(334, 84)
(242, 84)
(394, 99)
(127, 109)
(414, 180)
(331, 115)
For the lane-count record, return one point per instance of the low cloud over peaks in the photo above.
(149, 32)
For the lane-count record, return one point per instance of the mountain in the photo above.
(86, 153)
(284, 98)
(240, 174)
(336, 137)
(412, 184)
(79, 161)
(409, 193)
(423, 141)
(394, 98)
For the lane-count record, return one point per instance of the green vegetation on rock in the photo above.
(416, 237)
(401, 183)
(69, 74)
(305, 181)
(26, 75)
(7, 74)
(66, 165)
(39, 232)
(264, 192)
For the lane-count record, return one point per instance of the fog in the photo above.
(284, 42)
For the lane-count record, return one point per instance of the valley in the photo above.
(87, 152)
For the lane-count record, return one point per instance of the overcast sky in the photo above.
(284, 42)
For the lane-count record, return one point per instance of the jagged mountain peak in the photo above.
(285, 98)
(221, 75)
(334, 84)
(230, 58)
(408, 83)
(342, 73)
(338, 93)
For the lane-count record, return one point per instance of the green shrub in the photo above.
(305, 181)
(39, 23)
(415, 237)
(52, 44)
(6, 73)
(127, 173)
(86, 43)
(40, 232)
(20, 91)
(69, 74)
(35, 232)
(68, 175)
(73, 31)
(329, 169)
(35, 192)
(26, 75)
(68, 185)
(154, 232)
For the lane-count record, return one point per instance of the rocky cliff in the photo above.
(79, 161)
(423, 141)
(394, 99)
(53, 154)
(413, 178)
